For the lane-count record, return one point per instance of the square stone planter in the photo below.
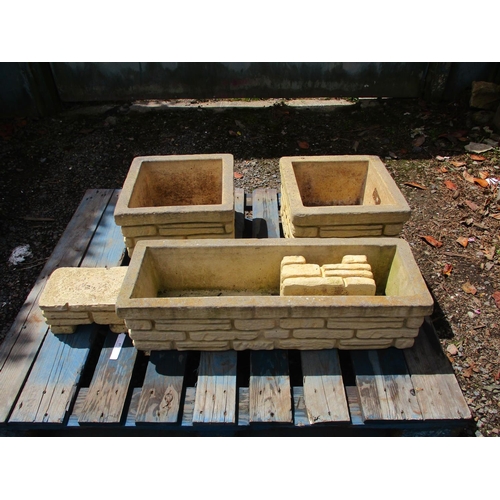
(225, 294)
(178, 197)
(339, 197)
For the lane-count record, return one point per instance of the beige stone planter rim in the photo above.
(124, 215)
(418, 303)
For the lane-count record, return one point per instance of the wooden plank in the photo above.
(239, 212)
(384, 385)
(108, 389)
(187, 411)
(436, 387)
(216, 388)
(52, 383)
(300, 418)
(243, 407)
(354, 408)
(28, 331)
(162, 388)
(265, 214)
(107, 248)
(269, 387)
(324, 393)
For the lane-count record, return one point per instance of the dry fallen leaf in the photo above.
(467, 372)
(447, 269)
(451, 185)
(468, 287)
(458, 164)
(483, 174)
(471, 205)
(414, 184)
(477, 157)
(495, 216)
(443, 170)
(483, 183)
(468, 177)
(489, 252)
(237, 175)
(496, 298)
(463, 241)
(303, 144)
(432, 241)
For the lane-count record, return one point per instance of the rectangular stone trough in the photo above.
(340, 197)
(225, 294)
(177, 197)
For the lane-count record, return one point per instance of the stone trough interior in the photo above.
(333, 183)
(248, 270)
(178, 183)
(339, 182)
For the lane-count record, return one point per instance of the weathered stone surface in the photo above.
(302, 323)
(79, 296)
(292, 259)
(300, 270)
(82, 289)
(485, 95)
(313, 286)
(322, 333)
(62, 329)
(356, 285)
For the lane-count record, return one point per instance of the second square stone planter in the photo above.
(340, 197)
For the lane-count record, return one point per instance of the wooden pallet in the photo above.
(96, 381)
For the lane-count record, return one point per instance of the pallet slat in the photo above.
(107, 248)
(52, 384)
(436, 386)
(216, 388)
(384, 385)
(239, 212)
(160, 400)
(324, 394)
(108, 389)
(265, 214)
(269, 387)
(28, 331)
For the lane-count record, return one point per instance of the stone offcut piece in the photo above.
(347, 196)
(80, 296)
(353, 276)
(177, 197)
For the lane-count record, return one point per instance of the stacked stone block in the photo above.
(80, 296)
(353, 276)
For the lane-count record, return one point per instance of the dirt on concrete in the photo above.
(48, 164)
